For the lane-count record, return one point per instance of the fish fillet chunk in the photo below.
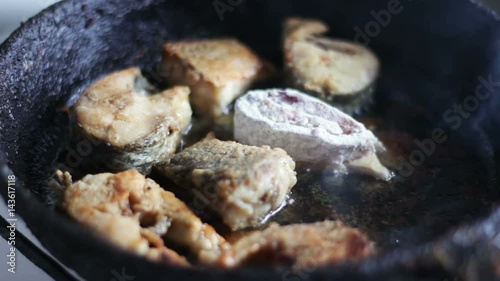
(243, 184)
(136, 214)
(340, 72)
(310, 130)
(300, 246)
(127, 123)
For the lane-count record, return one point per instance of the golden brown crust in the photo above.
(246, 183)
(303, 245)
(113, 110)
(129, 124)
(218, 61)
(217, 71)
(135, 213)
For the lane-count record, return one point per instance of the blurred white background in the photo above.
(12, 12)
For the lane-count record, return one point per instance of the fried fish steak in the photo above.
(136, 214)
(340, 72)
(127, 124)
(243, 184)
(216, 70)
(303, 245)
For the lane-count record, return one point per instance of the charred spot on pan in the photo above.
(89, 22)
(100, 11)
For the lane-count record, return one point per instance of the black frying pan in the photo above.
(437, 222)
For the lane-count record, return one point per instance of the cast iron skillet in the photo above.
(433, 54)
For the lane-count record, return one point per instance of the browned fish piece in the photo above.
(135, 213)
(303, 245)
(127, 123)
(243, 184)
(216, 70)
